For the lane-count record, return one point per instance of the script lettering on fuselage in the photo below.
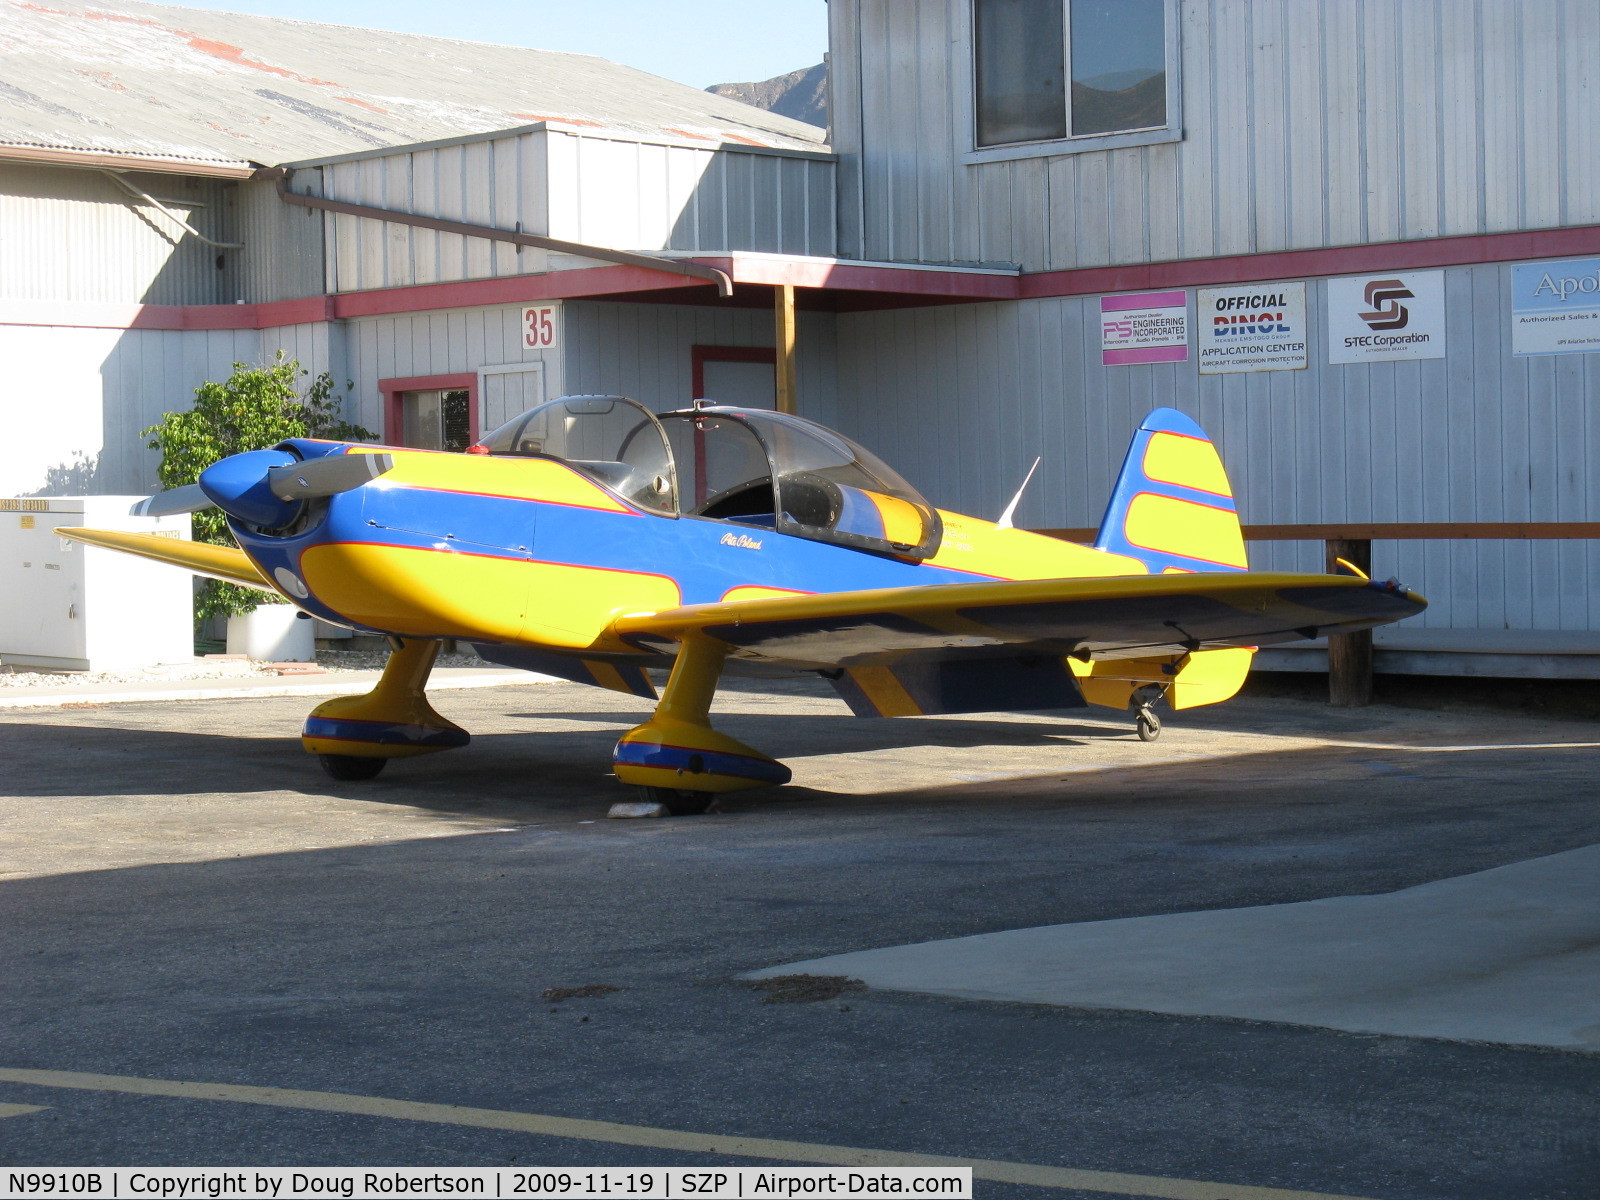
(742, 540)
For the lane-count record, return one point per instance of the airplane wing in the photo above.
(227, 563)
(1124, 616)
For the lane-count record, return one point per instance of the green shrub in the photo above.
(253, 409)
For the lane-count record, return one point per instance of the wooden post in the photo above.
(1350, 654)
(783, 310)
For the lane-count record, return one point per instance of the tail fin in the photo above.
(1172, 507)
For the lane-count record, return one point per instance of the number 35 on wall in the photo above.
(539, 327)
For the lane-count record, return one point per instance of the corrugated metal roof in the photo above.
(154, 79)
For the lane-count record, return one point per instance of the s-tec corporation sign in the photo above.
(1258, 327)
(1381, 318)
(1555, 307)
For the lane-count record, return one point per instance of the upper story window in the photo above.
(1056, 70)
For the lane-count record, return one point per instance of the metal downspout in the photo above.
(649, 262)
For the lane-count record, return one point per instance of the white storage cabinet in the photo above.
(67, 606)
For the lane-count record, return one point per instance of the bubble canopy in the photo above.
(747, 466)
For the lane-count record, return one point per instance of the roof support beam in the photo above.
(786, 381)
(651, 262)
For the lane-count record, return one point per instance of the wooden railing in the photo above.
(1350, 654)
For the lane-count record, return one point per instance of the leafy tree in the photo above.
(255, 408)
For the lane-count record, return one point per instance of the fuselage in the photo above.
(533, 552)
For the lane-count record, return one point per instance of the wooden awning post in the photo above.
(783, 311)
(1350, 654)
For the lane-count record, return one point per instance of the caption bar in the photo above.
(521, 1183)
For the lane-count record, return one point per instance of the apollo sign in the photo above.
(1555, 307)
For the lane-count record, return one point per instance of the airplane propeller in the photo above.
(189, 498)
(320, 477)
(264, 487)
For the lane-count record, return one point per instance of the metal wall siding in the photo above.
(645, 351)
(104, 387)
(455, 341)
(1581, 122)
(605, 192)
(961, 399)
(282, 257)
(75, 235)
(1306, 125)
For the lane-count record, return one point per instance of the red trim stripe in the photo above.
(1334, 260)
(1571, 242)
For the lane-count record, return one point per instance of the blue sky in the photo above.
(698, 42)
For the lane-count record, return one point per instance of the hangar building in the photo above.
(1359, 240)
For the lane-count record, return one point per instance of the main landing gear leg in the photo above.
(354, 736)
(675, 758)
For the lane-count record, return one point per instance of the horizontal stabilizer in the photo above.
(227, 563)
(921, 686)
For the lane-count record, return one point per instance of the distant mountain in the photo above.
(801, 94)
(1142, 106)
(1119, 80)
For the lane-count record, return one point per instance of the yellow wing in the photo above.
(978, 647)
(227, 563)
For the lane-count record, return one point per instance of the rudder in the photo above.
(1172, 507)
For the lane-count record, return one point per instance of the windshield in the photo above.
(613, 440)
(766, 468)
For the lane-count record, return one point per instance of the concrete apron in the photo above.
(1507, 955)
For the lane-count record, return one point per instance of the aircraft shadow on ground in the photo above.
(564, 774)
(221, 757)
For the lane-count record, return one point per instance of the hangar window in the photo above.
(436, 419)
(1056, 76)
(431, 412)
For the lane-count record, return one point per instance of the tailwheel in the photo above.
(1143, 703)
(680, 802)
(349, 766)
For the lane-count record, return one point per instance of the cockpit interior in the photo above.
(748, 466)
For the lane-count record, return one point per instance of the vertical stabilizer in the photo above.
(1172, 507)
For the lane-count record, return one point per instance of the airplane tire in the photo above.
(680, 802)
(348, 766)
(1148, 726)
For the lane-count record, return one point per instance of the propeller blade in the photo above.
(318, 477)
(186, 499)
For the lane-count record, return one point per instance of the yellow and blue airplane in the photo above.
(592, 540)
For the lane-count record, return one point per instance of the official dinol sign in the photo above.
(1555, 307)
(1144, 327)
(1259, 327)
(1381, 318)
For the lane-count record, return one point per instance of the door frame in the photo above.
(699, 356)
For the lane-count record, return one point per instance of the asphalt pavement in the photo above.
(186, 901)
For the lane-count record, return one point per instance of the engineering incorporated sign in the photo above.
(1144, 327)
